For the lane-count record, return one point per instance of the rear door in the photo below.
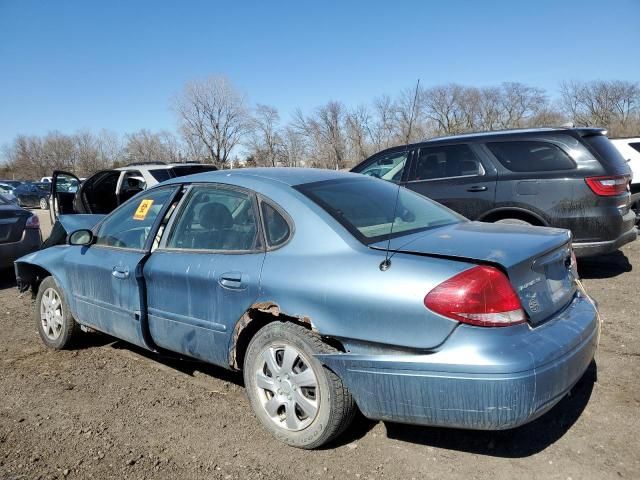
(455, 175)
(206, 273)
(106, 277)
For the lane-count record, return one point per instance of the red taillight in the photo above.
(479, 296)
(32, 222)
(608, 186)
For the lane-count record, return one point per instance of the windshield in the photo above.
(365, 207)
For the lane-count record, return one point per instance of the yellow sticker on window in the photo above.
(142, 210)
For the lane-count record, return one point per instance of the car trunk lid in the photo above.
(12, 222)
(537, 260)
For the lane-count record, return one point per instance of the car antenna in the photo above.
(386, 263)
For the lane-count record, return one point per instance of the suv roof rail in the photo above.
(137, 164)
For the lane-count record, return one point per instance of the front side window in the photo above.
(374, 211)
(445, 161)
(130, 225)
(530, 156)
(215, 218)
(387, 166)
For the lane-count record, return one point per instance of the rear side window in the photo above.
(607, 153)
(635, 146)
(276, 227)
(215, 218)
(445, 162)
(160, 174)
(531, 156)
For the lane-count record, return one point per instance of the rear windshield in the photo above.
(4, 200)
(607, 153)
(365, 207)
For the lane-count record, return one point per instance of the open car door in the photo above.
(64, 186)
(96, 195)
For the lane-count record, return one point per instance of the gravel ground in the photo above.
(110, 410)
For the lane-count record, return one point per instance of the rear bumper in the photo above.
(30, 242)
(475, 381)
(589, 249)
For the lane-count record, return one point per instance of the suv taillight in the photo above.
(479, 296)
(32, 222)
(608, 186)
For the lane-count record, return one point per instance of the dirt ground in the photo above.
(110, 410)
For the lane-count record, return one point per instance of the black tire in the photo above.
(335, 405)
(44, 204)
(513, 221)
(62, 334)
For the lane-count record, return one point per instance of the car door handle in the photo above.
(231, 280)
(120, 272)
(477, 188)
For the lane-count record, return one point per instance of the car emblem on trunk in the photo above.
(534, 306)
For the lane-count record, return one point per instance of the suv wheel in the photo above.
(300, 402)
(44, 205)
(513, 221)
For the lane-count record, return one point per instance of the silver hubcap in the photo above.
(51, 314)
(287, 387)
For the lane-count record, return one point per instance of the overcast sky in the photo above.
(69, 65)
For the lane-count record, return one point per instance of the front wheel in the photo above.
(44, 204)
(296, 398)
(56, 326)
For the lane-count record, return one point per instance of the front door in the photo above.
(106, 283)
(455, 176)
(205, 273)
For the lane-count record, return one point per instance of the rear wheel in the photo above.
(513, 221)
(297, 400)
(44, 204)
(56, 326)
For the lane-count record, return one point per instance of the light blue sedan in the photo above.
(331, 291)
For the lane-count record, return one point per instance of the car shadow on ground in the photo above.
(7, 278)
(182, 364)
(604, 266)
(519, 442)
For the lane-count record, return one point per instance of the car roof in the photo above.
(283, 175)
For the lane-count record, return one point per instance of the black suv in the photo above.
(571, 178)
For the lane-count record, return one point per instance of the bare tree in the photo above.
(212, 112)
(265, 140)
(614, 105)
(145, 146)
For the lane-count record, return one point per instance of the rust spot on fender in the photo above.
(256, 313)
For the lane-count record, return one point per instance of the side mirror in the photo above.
(81, 237)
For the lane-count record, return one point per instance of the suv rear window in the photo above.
(530, 156)
(182, 170)
(366, 207)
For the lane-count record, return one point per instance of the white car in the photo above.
(103, 191)
(630, 150)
